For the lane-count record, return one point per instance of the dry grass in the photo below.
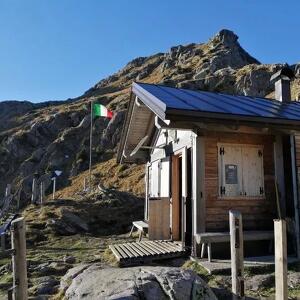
(110, 174)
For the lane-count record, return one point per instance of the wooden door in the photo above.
(159, 202)
(159, 219)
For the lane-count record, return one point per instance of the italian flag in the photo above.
(100, 110)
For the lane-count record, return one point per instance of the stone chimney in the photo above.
(282, 80)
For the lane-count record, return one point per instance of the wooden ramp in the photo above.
(145, 252)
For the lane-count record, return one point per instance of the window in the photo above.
(241, 171)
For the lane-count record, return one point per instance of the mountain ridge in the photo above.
(43, 137)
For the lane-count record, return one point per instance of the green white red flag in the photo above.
(100, 110)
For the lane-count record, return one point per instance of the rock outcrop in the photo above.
(94, 282)
(42, 138)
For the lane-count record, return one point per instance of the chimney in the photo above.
(282, 80)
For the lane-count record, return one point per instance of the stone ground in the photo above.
(145, 282)
(66, 233)
(47, 264)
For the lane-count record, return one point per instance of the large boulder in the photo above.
(94, 282)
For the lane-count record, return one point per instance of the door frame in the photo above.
(180, 194)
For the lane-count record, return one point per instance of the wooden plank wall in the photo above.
(297, 143)
(159, 219)
(257, 213)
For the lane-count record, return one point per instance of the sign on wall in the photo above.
(231, 174)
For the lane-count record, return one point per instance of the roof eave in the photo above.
(152, 102)
(189, 115)
(125, 129)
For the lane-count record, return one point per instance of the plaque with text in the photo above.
(231, 174)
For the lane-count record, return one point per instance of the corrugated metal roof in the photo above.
(170, 99)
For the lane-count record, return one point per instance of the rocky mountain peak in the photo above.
(227, 37)
(46, 137)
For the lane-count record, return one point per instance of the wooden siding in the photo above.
(258, 213)
(159, 219)
(297, 144)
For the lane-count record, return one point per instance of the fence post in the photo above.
(19, 265)
(54, 188)
(34, 191)
(41, 193)
(8, 190)
(19, 197)
(237, 254)
(280, 259)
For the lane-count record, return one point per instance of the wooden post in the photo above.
(237, 254)
(3, 248)
(19, 265)
(8, 190)
(54, 188)
(280, 259)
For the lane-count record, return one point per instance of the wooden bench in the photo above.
(141, 226)
(209, 238)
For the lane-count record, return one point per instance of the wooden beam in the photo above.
(230, 127)
(279, 172)
(198, 184)
(280, 260)
(184, 192)
(175, 207)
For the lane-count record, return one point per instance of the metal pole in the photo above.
(237, 254)
(91, 143)
(8, 190)
(54, 188)
(19, 265)
(42, 193)
(33, 195)
(281, 292)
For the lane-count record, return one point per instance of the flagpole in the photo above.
(91, 143)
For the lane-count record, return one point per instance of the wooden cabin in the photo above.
(207, 153)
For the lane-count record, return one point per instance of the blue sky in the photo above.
(56, 49)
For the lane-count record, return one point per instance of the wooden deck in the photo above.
(145, 252)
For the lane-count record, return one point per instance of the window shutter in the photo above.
(230, 162)
(253, 183)
(165, 177)
(154, 179)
